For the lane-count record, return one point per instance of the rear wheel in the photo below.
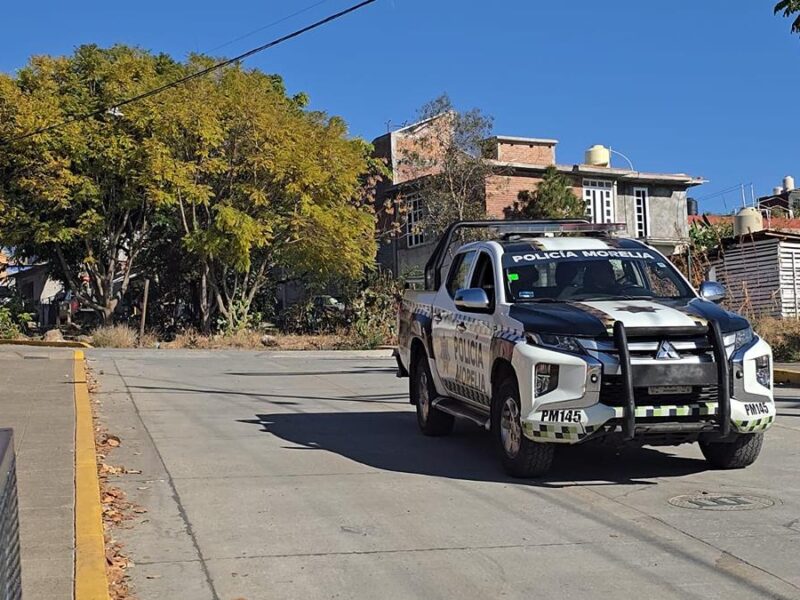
(430, 420)
(520, 456)
(741, 452)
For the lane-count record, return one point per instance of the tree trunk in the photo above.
(205, 305)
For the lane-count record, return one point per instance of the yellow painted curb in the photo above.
(786, 376)
(90, 555)
(42, 343)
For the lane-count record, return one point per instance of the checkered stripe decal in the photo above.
(671, 410)
(467, 392)
(560, 431)
(754, 424)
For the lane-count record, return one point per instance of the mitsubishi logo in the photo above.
(667, 351)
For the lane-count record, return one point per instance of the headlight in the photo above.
(743, 337)
(546, 378)
(763, 371)
(564, 343)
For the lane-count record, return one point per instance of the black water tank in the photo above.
(691, 206)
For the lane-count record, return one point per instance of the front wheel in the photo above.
(431, 421)
(741, 452)
(520, 456)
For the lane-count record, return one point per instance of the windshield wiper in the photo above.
(609, 297)
(533, 300)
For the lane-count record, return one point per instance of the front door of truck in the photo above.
(474, 331)
(443, 328)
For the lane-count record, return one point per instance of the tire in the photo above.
(431, 421)
(741, 452)
(520, 456)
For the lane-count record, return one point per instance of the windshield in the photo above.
(562, 275)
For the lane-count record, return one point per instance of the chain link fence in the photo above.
(10, 575)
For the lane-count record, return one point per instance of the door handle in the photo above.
(461, 327)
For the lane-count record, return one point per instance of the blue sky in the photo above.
(706, 87)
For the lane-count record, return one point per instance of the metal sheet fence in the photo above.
(10, 574)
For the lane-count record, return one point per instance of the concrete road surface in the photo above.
(303, 475)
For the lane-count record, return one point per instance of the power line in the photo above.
(267, 26)
(195, 75)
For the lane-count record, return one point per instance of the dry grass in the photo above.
(252, 340)
(782, 334)
(120, 336)
(114, 336)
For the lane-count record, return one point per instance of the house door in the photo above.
(599, 197)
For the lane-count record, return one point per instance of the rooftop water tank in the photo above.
(777, 190)
(747, 221)
(788, 183)
(598, 156)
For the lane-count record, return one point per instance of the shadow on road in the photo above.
(390, 440)
(354, 371)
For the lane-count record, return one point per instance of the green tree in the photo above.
(262, 188)
(552, 199)
(789, 8)
(76, 196)
(447, 154)
(251, 184)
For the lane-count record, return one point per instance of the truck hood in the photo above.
(595, 318)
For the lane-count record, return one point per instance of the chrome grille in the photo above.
(612, 394)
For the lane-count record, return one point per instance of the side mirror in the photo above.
(472, 300)
(712, 291)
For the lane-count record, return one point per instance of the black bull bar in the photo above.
(723, 419)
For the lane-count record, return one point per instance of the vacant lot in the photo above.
(302, 475)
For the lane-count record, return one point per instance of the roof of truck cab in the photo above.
(568, 243)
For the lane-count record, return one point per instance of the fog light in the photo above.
(546, 378)
(763, 371)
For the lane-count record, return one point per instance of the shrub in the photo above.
(782, 334)
(374, 312)
(114, 336)
(9, 327)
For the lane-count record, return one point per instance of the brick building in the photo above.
(653, 205)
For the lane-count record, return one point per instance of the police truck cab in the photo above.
(559, 332)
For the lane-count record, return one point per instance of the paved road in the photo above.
(302, 475)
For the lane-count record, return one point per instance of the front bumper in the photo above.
(574, 411)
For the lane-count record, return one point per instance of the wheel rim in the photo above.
(510, 428)
(423, 398)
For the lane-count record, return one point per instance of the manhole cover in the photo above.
(709, 501)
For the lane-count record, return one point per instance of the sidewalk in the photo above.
(36, 400)
(787, 373)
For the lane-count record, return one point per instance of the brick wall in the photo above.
(502, 191)
(532, 154)
(417, 150)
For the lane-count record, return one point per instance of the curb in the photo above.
(90, 555)
(786, 376)
(41, 343)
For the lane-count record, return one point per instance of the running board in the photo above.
(457, 409)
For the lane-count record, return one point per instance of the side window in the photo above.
(483, 277)
(459, 271)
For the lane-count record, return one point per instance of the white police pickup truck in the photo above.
(557, 332)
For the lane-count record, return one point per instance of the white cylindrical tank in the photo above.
(777, 190)
(747, 221)
(598, 156)
(788, 183)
